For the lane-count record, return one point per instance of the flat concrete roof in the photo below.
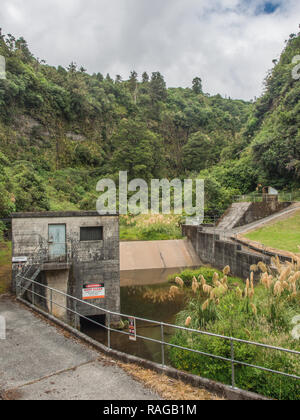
(49, 214)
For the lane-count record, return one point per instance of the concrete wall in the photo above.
(87, 262)
(148, 255)
(59, 280)
(258, 211)
(220, 253)
(151, 262)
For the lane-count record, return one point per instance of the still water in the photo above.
(144, 294)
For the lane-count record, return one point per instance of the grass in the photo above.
(208, 272)
(167, 388)
(5, 267)
(150, 227)
(283, 235)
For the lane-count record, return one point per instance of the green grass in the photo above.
(5, 266)
(149, 228)
(207, 272)
(284, 235)
(136, 234)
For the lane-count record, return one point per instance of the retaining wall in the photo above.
(258, 211)
(217, 252)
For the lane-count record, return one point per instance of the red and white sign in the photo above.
(132, 329)
(93, 291)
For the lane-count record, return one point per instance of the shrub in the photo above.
(188, 275)
(150, 227)
(261, 313)
(2, 228)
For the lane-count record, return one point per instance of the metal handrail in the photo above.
(163, 325)
(254, 197)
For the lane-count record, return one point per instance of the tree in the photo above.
(158, 88)
(29, 191)
(118, 78)
(197, 153)
(137, 150)
(7, 205)
(72, 68)
(145, 77)
(133, 83)
(108, 78)
(197, 85)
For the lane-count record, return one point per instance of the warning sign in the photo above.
(93, 291)
(19, 260)
(132, 329)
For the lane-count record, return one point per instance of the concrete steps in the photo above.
(233, 215)
(31, 275)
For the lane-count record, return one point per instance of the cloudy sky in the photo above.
(230, 44)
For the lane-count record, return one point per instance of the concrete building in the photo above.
(70, 252)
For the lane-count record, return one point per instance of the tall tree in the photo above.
(197, 85)
(198, 152)
(133, 85)
(137, 150)
(145, 77)
(158, 88)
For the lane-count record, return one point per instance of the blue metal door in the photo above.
(57, 242)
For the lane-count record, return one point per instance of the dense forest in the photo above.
(61, 130)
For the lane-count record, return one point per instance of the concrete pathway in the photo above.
(40, 362)
(230, 233)
(270, 219)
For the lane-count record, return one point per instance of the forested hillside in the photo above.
(61, 130)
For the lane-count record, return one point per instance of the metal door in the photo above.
(57, 242)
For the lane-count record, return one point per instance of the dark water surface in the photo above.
(151, 302)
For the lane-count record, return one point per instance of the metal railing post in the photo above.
(162, 344)
(18, 286)
(51, 302)
(232, 363)
(108, 332)
(32, 293)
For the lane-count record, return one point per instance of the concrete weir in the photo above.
(150, 262)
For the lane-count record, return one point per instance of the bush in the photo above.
(89, 201)
(255, 380)
(207, 272)
(150, 227)
(2, 228)
(30, 191)
(7, 205)
(159, 231)
(261, 314)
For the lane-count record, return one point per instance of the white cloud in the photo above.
(228, 43)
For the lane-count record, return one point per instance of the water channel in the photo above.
(144, 293)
